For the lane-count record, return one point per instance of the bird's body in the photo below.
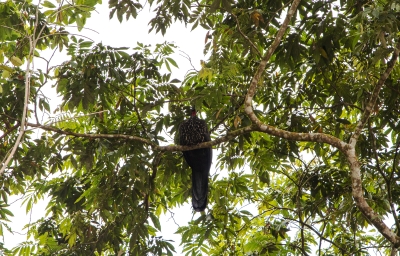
(194, 131)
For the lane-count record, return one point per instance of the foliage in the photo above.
(295, 117)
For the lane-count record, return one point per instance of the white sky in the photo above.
(125, 34)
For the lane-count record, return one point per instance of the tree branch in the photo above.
(355, 168)
(10, 130)
(32, 46)
(374, 96)
(92, 135)
(253, 85)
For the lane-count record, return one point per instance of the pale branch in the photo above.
(361, 203)
(227, 137)
(348, 150)
(307, 137)
(312, 137)
(388, 180)
(92, 135)
(32, 47)
(154, 146)
(355, 168)
(260, 70)
(374, 96)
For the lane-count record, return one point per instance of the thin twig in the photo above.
(9, 131)
(245, 36)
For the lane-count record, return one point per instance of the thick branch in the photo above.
(311, 137)
(356, 182)
(217, 141)
(361, 203)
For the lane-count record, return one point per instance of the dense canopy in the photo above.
(302, 99)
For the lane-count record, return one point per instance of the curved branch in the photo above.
(217, 141)
(253, 85)
(361, 203)
(355, 167)
(246, 37)
(374, 96)
(309, 137)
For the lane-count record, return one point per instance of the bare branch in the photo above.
(253, 85)
(361, 203)
(32, 46)
(310, 137)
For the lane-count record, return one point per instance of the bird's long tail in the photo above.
(199, 187)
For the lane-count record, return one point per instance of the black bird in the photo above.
(194, 131)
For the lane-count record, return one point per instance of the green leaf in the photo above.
(48, 4)
(215, 4)
(172, 61)
(155, 221)
(6, 68)
(16, 61)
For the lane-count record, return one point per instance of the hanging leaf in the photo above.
(16, 61)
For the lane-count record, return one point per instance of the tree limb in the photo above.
(355, 167)
(92, 135)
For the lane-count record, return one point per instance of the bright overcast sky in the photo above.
(126, 34)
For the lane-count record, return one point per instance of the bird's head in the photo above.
(193, 111)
